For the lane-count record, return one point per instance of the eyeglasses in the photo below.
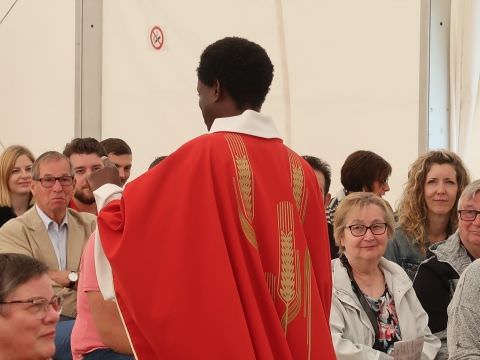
(468, 215)
(49, 181)
(360, 230)
(40, 306)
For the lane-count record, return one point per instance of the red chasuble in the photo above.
(221, 252)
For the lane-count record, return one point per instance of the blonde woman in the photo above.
(15, 179)
(374, 304)
(427, 210)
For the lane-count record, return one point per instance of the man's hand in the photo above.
(107, 175)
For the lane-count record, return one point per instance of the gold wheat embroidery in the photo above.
(243, 185)
(296, 304)
(307, 309)
(245, 180)
(298, 183)
(289, 284)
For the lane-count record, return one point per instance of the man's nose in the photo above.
(57, 186)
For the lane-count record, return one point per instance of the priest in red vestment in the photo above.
(221, 251)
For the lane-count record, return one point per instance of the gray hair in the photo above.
(469, 192)
(49, 156)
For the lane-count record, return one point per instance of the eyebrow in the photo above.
(51, 175)
(373, 221)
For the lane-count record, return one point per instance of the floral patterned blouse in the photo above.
(388, 327)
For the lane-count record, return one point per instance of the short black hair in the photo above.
(320, 166)
(157, 161)
(361, 169)
(242, 68)
(116, 146)
(86, 145)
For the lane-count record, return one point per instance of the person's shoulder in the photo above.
(29, 218)
(6, 214)
(472, 272)
(200, 145)
(400, 236)
(440, 268)
(393, 268)
(6, 211)
(82, 217)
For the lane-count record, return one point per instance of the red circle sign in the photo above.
(156, 37)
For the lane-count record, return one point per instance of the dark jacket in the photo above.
(6, 213)
(437, 279)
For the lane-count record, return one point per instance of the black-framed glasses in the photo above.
(39, 306)
(49, 181)
(468, 215)
(360, 230)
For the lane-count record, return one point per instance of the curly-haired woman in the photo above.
(427, 210)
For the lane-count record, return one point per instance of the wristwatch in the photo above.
(73, 277)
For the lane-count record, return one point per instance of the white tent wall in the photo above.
(37, 73)
(350, 79)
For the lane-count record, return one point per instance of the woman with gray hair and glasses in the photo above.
(374, 304)
(29, 310)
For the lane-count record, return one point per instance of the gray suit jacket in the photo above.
(27, 235)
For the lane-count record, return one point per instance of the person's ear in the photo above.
(217, 90)
(33, 187)
(327, 200)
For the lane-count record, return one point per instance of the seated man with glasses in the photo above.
(438, 275)
(29, 310)
(52, 233)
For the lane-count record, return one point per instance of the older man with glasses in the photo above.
(437, 276)
(52, 233)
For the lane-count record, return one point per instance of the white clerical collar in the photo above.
(249, 122)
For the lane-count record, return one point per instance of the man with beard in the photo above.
(85, 156)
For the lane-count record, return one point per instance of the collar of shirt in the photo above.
(249, 122)
(47, 220)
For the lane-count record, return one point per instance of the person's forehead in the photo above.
(23, 160)
(470, 203)
(85, 160)
(51, 166)
(38, 286)
(124, 159)
(367, 209)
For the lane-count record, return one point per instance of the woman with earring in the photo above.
(15, 178)
(374, 304)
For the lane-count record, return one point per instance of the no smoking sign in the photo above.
(156, 37)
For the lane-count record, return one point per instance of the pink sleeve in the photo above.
(88, 273)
